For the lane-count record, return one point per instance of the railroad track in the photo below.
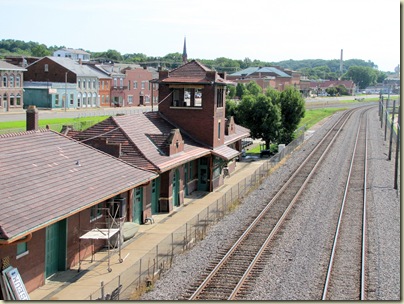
(229, 277)
(345, 279)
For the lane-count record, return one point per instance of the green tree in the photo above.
(292, 111)
(261, 116)
(273, 95)
(362, 76)
(40, 50)
(253, 88)
(231, 109)
(240, 90)
(231, 92)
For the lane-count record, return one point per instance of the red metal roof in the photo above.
(47, 177)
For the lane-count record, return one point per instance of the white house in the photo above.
(73, 54)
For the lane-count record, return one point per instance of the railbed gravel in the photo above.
(292, 271)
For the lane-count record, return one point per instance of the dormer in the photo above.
(230, 126)
(175, 142)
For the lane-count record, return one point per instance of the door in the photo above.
(138, 206)
(203, 174)
(176, 188)
(155, 195)
(186, 178)
(55, 251)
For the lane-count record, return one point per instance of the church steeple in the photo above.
(184, 52)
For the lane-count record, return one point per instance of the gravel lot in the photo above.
(294, 270)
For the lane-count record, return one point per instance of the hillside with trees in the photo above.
(311, 68)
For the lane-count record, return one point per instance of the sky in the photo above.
(265, 30)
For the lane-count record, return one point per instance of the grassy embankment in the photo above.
(79, 123)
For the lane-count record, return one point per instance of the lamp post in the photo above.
(65, 90)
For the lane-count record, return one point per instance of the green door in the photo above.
(186, 178)
(138, 206)
(203, 174)
(55, 254)
(176, 188)
(155, 195)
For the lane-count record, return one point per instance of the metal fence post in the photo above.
(397, 148)
(392, 129)
(385, 123)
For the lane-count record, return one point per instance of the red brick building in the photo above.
(138, 86)
(189, 142)
(53, 192)
(11, 87)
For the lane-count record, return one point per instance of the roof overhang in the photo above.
(225, 152)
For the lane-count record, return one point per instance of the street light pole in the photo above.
(65, 90)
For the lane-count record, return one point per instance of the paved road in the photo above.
(49, 114)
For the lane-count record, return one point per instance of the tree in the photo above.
(240, 90)
(40, 50)
(273, 95)
(231, 92)
(253, 88)
(292, 111)
(362, 76)
(231, 109)
(261, 116)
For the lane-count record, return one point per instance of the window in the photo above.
(18, 81)
(94, 84)
(121, 82)
(78, 83)
(129, 85)
(12, 100)
(130, 99)
(135, 85)
(84, 83)
(56, 99)
(102, 83)
(115, 82)
(89, 83)
(18, 99)
(218, 129)
(96, 212)
(22, 249)
(5, 82)
(78, 100)
(142, 85)
(220, 97)
(46, 67)
(71, 99)
(11, 83)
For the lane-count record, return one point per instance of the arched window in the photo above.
(5, 81)
(84, 100)
(11, 81)
(5, 98)
(94, 99)
(18, 81)
(79, 100)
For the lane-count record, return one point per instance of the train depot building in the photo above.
(59, 186)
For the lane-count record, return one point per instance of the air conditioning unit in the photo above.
(118, 207)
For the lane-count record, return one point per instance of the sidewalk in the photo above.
(78, 285)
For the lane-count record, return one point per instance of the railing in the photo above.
(141, 275)
(390, 120)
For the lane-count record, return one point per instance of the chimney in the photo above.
(32, 118)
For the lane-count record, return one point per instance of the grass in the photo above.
(311, 117)
(79, 123)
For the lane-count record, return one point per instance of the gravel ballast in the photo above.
(293, 272)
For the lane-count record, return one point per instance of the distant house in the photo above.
(72, 54)
(140, 91)
(189, 142)
(11, 87)
(274, 77)
(320, 87)
(62, 76)
(54, 190)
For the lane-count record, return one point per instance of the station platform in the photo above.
(79, 285)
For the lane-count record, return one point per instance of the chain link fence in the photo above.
(140, 276)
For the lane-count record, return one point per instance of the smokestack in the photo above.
(32, 118)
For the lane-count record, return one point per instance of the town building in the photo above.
(188, 142)
(54, 191)
(11, 87)
(72, 54)
(59, 74)
(273, 77)
(319, 87)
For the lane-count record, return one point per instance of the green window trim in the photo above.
(22, 250)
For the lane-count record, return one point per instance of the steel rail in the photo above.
(337, 231)
(346, 116)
